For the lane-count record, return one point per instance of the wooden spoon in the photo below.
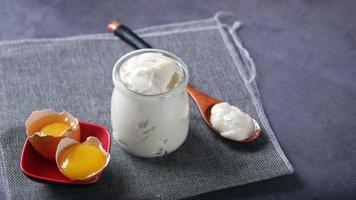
(202, 100)
(206, 102)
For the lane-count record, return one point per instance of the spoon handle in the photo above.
(127, 35)
(203, 101)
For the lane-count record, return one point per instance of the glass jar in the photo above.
(150, 125)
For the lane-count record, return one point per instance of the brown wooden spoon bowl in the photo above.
(206, 102)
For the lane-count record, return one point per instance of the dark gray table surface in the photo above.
(305, 52)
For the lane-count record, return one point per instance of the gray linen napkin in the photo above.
(74, 74)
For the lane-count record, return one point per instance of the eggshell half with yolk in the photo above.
(46, 145)
(80, 160)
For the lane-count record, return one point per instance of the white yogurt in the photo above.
(149, 106)
(231, 122)
(150, 73)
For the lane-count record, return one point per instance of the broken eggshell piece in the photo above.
(46, 145)
(66, 143)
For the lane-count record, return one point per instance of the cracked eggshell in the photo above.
(46, 145)
(67, 142)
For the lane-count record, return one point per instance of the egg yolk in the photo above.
(80, 161)
(54, 129)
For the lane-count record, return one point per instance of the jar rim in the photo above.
(180, 64)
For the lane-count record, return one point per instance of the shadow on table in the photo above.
(258, 190)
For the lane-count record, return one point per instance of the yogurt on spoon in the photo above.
(231, 122)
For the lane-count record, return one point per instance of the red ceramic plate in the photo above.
(38, 168)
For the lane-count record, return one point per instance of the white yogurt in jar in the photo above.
(150, 73)
(231, 122)
(149, 106)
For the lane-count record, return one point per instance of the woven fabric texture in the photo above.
(74, 74)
